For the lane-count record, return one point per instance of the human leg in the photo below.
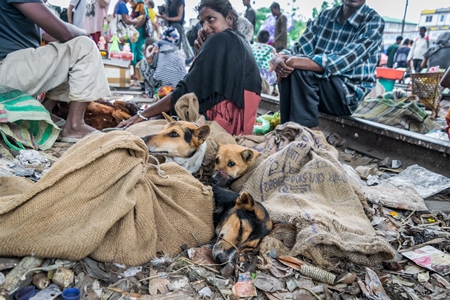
(303, 95)
(96, 36)
(334, 99)
(136, 49)
(445, 81)
(416, 63)
(299, 98)
(70, 72)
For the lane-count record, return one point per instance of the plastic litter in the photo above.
(425, 182)
(49, 293)
(25, 293)
(71, 294)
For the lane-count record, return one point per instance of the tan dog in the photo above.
(180, 142)
(233, 162)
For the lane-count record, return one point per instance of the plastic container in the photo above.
(25, 293)
(389, 73)
(387, 83)
(71, 294)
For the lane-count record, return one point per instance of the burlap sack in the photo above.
(187, 110)
(102, 199)
(305, 185)
(284, 134)
(147, 127)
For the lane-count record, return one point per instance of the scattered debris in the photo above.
(398, 200)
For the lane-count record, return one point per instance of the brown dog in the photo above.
(181, 142)
(241, 223)
(232, 162)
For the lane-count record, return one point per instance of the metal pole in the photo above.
(404, 16)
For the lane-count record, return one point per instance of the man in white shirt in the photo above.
(419, 48)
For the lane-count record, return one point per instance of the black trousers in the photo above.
(417, 62)
(303, 95)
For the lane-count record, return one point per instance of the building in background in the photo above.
(393, 28)
(437, 21)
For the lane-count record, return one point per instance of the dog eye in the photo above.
(174, 134)
(231, 164)
(217, 161)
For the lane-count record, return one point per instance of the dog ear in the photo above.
(247, 155)
(215, 144)
(245, 201)
(167, 117)
(202, 133)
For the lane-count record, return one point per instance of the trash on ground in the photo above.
(430, 258)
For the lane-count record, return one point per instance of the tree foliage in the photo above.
(299, 25)
(325, 5)
(261, 16)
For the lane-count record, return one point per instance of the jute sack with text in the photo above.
(305, 185)
(102, 199)
(284, 134)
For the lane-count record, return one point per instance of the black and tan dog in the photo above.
(181, 142)
(240, 222)
(234, 162)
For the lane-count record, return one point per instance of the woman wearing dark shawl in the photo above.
(224, 75)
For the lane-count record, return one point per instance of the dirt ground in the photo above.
(194, 275)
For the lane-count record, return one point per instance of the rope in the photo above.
(158, 167)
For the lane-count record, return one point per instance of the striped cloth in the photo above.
(24, 122)
(397, 110)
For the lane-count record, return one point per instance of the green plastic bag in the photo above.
(262, 126)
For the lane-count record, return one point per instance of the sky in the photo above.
(389, 8)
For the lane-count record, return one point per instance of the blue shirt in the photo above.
(122, 8)
(350, 50)
(174, 12)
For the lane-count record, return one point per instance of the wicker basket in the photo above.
(426, 86)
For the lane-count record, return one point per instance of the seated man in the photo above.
(69, 71)
(333, 64)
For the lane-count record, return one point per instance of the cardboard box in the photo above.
(117, 72)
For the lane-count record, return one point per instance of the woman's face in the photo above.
(213, 21)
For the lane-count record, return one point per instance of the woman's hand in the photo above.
(131, 121)
(201, 38)
(162, 16)
(280, 66)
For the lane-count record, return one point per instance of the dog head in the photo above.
(231, 162)
(177, 138)
(241, 223)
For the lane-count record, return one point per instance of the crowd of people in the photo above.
(330, 68)
(417, 55)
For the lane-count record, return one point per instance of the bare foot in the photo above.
(78, 131)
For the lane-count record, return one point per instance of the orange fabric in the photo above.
(233, 120)
(447, 119)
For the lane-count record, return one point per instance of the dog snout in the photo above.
(218, 178)
(221, 258)
(146, 138)
(222, 255)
